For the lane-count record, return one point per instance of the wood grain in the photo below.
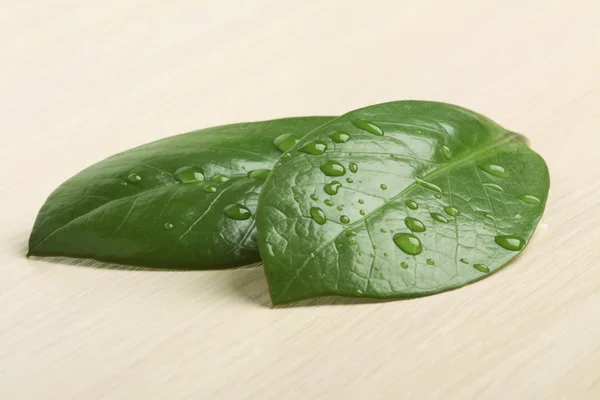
(82, 80)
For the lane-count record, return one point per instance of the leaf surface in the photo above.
(408, 199)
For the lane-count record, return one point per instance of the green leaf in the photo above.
(432, 197)
(187, 201)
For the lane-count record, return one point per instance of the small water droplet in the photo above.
(332, 187)
(493, 186)
(450, 210)
(220, 178)
(383, 186)
(481, 268)
(351, 233)
(529, 199)
(285, 142)
(340, 208)
(494, 169)
(414, 224)
(328, 202)
(408, 243)
(333, 168)
(260, 174)
(339, 137)
(315, 147)
(429, 185)
(349, 180)
(278, 164)
(374, 246)
(362, 212)
(168, 226)
(372, 255)
(353, 167)
(447, 152)
(404, 265)
(437, 196)
(358, 292)
(395, 157)
(344, 219)
(439, 218)
(418, 132)
(318, 215)
(430, 261)
(210, 188)
(286, 155)
(124, 183)
(189, 174)
(464, 261)
(353, 241)
(385, 254)
(510, 242)
(367, 126)
(314, 197)
(237, 211)
(489, 216)
(134, 178)
(361, 201)
(411, 204)
(383, 230)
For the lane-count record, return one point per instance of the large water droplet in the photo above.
(332, 187)
(429, 185)
(168, 226)
(285, 142)
(353, 167)
(339, 137)
(344, 219)
(439, 218)
(333, 168)
(134, 178)
(260, 174)
(493, 186)
(237, 211)
(210, 188)
(481, 268)
(411, 204)
(494, 169)
(404, 265)
(510, 242)
(447, 152)
(220, 178)
(315, 147)
(450, 210)
(414, 224)
(318, 215)
(314, 197)
(189, 174)
(529, 199)
(367, 126)
(328, 202)
(408, 243)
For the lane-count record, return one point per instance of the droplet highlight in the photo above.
(408, 243)
(315, 148)
(210, 188)
(237, 211)
(333, 168)
(168, 226)
(339, 137)
(221, 178)
(494, 169)
(189, 174)
(367, 126)
(134, 178)
(510, 242)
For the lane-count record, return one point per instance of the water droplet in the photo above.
(278, 164)
(450, 210)
(489, 216)
(134, 178)
(430, 261)
(439, 218)
(189, 174)
(372, 255)
(315, 147)
(168, 226)
(260, 174)
(510, 242)
(237, 211)
(481, 268)
(361, 201)
(285, 142)
(339, 137)
(358, 292)
(332, 187)
(494, 169)
(408, 243)
(383, 230)
(328, 202)
(340, 208)
(437, 196)
(333, 168)
(529, 199)
(367, 126)
(344, 219)
(318, 215)
(349, 180)
(414, 224)
(411, 204)
(210, 188)
(353, 241)
(429, 185)
(395, 157)
(404, 265)
(385, 254)
(464, 261)
(362, 212)
(220, 178)
(447, 152)
(353, 167)
(418, 132)
(124, 183)
(286, 155)
(351, 233)
(314, 197)
(493, 186)
(383, 186)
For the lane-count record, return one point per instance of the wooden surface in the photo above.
(81, 80)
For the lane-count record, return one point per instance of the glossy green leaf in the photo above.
(439, 197)
(187, 201)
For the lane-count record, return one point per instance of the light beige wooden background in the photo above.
(81, 80)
